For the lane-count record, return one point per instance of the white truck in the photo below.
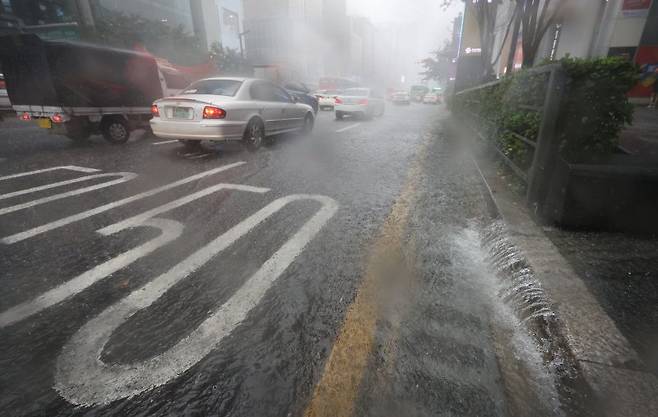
(77, 89)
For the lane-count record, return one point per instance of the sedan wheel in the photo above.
(308, 124)
(253, 137)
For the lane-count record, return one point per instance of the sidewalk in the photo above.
(604, 291)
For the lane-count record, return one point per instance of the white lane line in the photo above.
(40, 171)
(82, 378)
(166, 142)
(345, 129)
(170, 229)
(140, 218)
(126, 176)
(18, 237)
(205, 155)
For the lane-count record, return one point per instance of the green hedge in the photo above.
(594, 111)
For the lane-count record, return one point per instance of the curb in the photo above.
(608, 378)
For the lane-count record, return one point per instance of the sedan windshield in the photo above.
(216, 87)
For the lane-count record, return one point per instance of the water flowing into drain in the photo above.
(520, 288)
(522, 318)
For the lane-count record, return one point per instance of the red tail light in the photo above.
(3, 84)
(363, 101)
(57, 118)
(339, 101)
(213, 113)
(25, 116)
(155, 111)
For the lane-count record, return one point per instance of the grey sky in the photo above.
(428, 13)
(424, 27)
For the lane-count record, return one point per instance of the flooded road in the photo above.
(356, 271)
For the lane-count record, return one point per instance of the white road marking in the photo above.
(205, 155)
(82, 378)
(116, 227)
(124, 177)
(40, 171)
(18, 237)
(166, 142)
(171, 230)
(345, 129)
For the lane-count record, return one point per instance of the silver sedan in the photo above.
(230, 109)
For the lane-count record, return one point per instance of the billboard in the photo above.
(635, 8)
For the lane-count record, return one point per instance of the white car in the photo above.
(431, 98)
(360, 102)
(327, 99)
(230, 109)
(5, 104)
(401, 97)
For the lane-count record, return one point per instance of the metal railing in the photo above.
(543, 148)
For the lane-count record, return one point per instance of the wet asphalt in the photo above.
(248, 329)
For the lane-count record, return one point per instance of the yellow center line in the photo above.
(336, 392)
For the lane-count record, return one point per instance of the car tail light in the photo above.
(3, 84)
(155, 111)
(25, 116)
(57, 118)
(339, 101)
(363, 101)
(210, 112)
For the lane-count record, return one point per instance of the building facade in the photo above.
(304, 39)
(217, 22)
(213, 21)
(585, 28)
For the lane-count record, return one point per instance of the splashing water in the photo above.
(517, 301)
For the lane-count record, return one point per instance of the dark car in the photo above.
(302, 94)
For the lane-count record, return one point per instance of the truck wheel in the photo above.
(116, 130)
(339, 115)
(254, 135)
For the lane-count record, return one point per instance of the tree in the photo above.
(439, 64)
(535, 24)
(485, 14)
(229, 61)
(532, 18)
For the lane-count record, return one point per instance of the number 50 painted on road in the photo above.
(83, 378)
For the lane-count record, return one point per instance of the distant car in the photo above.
(327, 98)
(359, 102)
(302, 94)
(431, 98)
(401, 97)
(417, 92)
(5, 104)
(230, 109)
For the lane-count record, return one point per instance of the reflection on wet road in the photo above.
(330, 275)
